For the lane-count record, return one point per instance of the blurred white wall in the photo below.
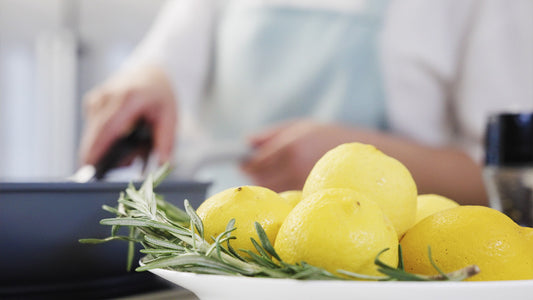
(108, 31)
(51, 53)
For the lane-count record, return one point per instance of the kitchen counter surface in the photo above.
(173, 294)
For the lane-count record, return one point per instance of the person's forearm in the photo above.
(446, 171)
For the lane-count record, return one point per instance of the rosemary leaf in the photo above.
(160, 174)
(131, 249)
(148, 191)
(194, 260)
(105, 240)
(145, 223)
(261, 260)
(260, 249)
(195, 219)
(110, 209)
(265, 242)
(114, 230)
(435, 265)
(157, 242)
(137, 198)
(305, 273)
(208, 270)
(159, 251)
(171, 213)
(233, 252)
(400, 258)
(138, 206)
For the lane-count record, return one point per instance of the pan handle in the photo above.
(139, 139)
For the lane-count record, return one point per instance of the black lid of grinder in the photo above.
(509, 139)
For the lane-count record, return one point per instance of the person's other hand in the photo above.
(113, 108)
(285, 155)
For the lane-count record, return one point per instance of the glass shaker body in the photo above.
(510, 191)
(508, 171)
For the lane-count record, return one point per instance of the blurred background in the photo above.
(51, 53)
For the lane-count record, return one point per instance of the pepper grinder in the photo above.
(508, 170)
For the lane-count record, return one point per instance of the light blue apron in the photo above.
(275, 63)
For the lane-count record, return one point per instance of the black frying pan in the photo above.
(41, 223)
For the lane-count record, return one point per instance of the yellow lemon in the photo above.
(470, 235)
(292, 197)
(429, 204)
(337, 229)
(527, 233)
(367, 170)
(246, 204)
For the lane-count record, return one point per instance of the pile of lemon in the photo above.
(356, 202)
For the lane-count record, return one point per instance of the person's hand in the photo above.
(285, 155)
(113, 109)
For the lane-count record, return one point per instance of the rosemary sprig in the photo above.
(174, 239)
(400, 274)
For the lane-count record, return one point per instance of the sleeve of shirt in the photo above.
(180, 42)
(496, 69)
(448, 64)
(420, 43)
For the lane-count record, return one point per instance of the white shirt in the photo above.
(447, 64)
(247, 65)
(451, 63)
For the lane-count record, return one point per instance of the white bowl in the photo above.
(216, 287)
